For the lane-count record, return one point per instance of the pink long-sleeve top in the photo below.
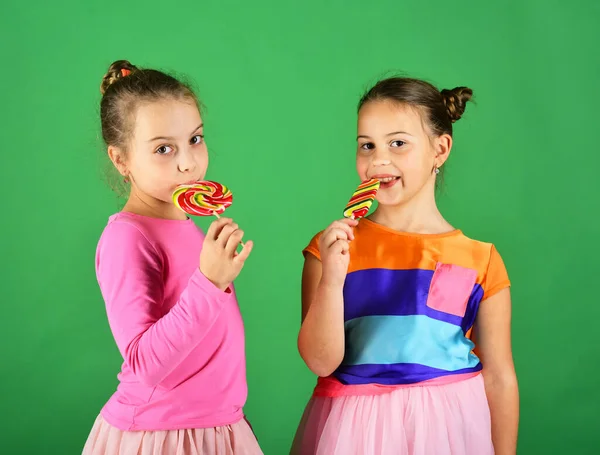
(181, 338)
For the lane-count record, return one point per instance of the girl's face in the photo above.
(167, 148)
(395, 147)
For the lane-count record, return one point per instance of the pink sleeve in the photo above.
(130, 275)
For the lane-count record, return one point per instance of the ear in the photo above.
(443, 145)
(117, 157)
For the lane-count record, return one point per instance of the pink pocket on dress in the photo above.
(450, 289)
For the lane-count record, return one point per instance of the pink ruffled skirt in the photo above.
(236, 439)
(448, 419)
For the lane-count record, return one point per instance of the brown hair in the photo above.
(440, 109)
(123, 88)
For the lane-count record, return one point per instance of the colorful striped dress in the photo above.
(410, 380)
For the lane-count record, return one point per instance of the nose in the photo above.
(380, 157)
(186, 162)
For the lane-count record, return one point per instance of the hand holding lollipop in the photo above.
(334, 243)
(203, 198)
(219, 260)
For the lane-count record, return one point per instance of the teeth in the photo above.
(387, 179)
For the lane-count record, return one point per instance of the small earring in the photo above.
(437, 170)
(126, 180)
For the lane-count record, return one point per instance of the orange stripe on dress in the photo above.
(376, 246)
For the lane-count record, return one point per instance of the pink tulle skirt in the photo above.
(449, 419)
(236, 439)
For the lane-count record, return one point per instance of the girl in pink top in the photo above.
(168, 287)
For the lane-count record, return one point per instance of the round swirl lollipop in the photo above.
(361, 200)
(203, 198)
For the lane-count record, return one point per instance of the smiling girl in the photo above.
(390, 304)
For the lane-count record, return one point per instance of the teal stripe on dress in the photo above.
(407, 339)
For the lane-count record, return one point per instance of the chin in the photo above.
(391, 202)
(391, 198)
(162, 197)
(167, 199)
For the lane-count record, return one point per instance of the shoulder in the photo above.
(364, 235)
(128, 238)
(493, 274)
(313, 246)
(484, 251)
(123, 227)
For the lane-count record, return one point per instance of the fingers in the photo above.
(226, 232)
(346, 225)
(227, 236)
(349, 222)
(340, 247)
(216, 226)
(337, 237)
(232, 243)
(334, 235)
(243, 255)
(339, 232)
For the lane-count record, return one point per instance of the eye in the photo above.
(164, 150)
(366, 147)
(197, 139)
(397, 143)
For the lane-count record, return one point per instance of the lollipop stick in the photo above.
(218, 218)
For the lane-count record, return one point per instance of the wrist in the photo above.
(223, 286)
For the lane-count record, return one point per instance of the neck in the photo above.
(419, 215)
(143, 204)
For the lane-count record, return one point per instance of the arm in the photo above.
(130, 275)
(321, 338)
(494, 346)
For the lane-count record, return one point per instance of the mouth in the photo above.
(387, 180)
(191, 182)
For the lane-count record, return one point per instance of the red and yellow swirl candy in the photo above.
(361, 200)
(203, 198)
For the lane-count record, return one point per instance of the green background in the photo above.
(281, 84)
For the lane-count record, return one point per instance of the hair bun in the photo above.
(117, 70)
(455, 101)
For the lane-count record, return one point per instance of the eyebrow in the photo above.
(398, 132)
(167, 138)
(387, 135)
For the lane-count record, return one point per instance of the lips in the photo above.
(387, 180)
(191, 182)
